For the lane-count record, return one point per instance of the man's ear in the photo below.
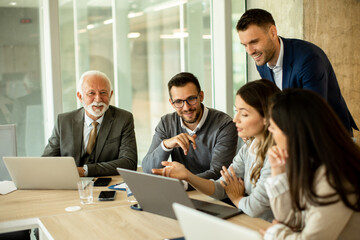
(171, 103)
(79, 96)
(111, 94)
(201, 96)
(273, 31)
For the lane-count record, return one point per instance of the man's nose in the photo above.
(186, 105)
(97, 97)
(250, 50)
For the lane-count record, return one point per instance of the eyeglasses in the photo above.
(178, 103)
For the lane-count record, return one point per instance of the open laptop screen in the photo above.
(197, 225)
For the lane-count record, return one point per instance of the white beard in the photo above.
(96, 113)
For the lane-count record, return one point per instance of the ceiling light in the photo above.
(135, 14)
(169, 5)
(109, 21)
(174, 35)
(133, 35)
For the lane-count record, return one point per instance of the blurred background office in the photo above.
(45, 45)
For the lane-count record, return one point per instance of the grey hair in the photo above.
(92, 73)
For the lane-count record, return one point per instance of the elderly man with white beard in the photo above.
(98, 136)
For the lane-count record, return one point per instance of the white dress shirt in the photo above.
(277, 70)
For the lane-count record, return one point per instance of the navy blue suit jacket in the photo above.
(306, 66)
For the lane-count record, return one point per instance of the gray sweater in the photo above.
(216, 143)
(256, 203)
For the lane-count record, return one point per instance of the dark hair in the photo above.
(255, 16)
(316, 137)
(183, 78)
(257, 94)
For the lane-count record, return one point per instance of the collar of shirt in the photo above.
(203, 118)
(88, 120)
(279, 63)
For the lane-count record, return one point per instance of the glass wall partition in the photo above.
(239, 53)
(21, 100)
(140, 45)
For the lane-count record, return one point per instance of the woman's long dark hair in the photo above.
(257, 94)
(316, 137)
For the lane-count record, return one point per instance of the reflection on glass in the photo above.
(20, 75)
(140, 45)
(239, 53)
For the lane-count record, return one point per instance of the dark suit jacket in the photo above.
(115, 143)
(306, 66)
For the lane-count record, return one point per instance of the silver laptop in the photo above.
(197, 225)
(43, 172)
(156, 194)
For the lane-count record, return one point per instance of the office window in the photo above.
(140, 45)
(20, 75)
(239, 53)
(86, 43)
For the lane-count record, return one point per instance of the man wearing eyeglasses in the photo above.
(201, 138)
(99, 137)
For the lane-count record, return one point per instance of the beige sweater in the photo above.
(334, 221)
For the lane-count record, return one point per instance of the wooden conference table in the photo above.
(100, 220)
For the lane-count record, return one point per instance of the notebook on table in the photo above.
(197, 225)
(156, 194)
(43, 172)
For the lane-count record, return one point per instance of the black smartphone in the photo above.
(107, 196)
(102, 182)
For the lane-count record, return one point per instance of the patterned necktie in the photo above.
(92, 138)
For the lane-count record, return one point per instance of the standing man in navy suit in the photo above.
(291, 63)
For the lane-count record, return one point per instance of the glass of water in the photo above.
(130, 196)
(85, 188)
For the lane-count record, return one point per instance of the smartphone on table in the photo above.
(107, 196)
(101, 182)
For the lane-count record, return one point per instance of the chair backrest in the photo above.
(7, 148)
